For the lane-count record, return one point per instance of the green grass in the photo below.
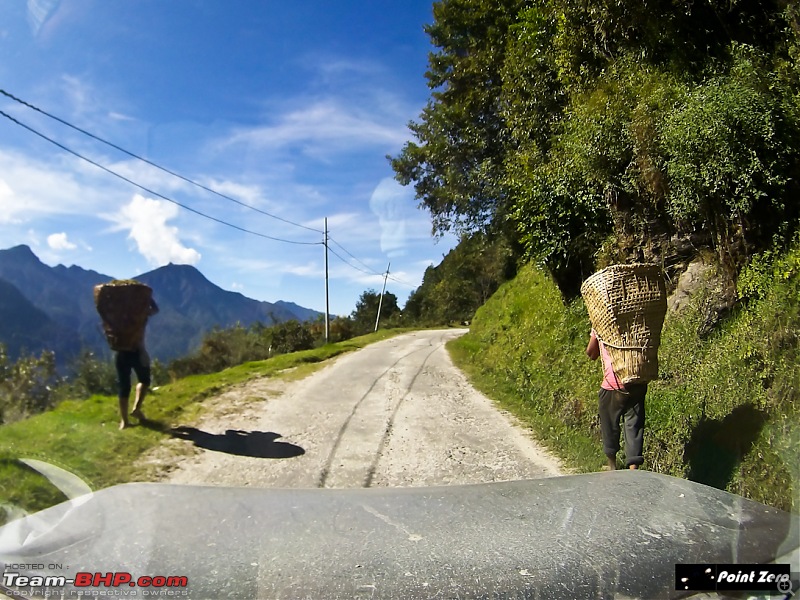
(724, 411)
(81, 436)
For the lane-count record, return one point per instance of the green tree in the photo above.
(27, 386)
(456, 162)
(366, 311)
(647, 121)
(291, 336)
(581, 124)
(465, 279)
(92, 375)
(729, 155)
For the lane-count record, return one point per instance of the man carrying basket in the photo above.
(125, 306)
(616, 401)
(627, 305)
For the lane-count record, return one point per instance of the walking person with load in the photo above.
(125, 306)
(626, 305)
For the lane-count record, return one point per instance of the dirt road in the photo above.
(396, 413)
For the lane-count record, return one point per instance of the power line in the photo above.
(151, 163)
(401, 282)
(373, 272)
(148, 190)
(351, 265)
(369, 270)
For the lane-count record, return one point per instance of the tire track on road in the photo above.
(390, 423)
(326, 469)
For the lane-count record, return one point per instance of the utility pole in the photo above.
(380, 302)
(327, 297)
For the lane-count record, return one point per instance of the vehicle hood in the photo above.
(604, 535)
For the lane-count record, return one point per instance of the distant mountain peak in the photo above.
(191, 305)
(175, 272)
(21, 252)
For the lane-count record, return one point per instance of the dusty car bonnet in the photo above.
(615, 535)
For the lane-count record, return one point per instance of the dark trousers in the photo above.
(137, 360)
(613, 406)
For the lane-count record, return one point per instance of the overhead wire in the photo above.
(148, 190)
(351, 265)
(368, 271)
(401, 282)
(373, 272)
(151, 163)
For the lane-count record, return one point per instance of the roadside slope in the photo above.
(723, 411)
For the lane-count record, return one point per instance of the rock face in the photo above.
(690, 272)
(695, 278)
(717, 295)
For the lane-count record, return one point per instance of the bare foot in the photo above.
(612, 464)
(633, 467)
(124, 425)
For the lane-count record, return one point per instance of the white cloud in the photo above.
(146, 220)
(310, 269)
(148, 176)
(9, 204)
(325, 125)
(78, 95)
(59, 241)
(30, 188)
(344, 73)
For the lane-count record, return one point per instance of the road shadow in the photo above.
(258, 444)
(717, 447)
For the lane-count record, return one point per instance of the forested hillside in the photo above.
(593, 132)
(578, 134)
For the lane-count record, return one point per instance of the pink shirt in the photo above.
(610, 379)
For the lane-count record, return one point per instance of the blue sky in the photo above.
(288, 107)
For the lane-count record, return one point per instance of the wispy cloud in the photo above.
(116, 116)
(39, 11)
(148, 176)
(323, 126)
(146, 221)
(338, 72)
(29, 188)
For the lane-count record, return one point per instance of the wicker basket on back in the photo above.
(627, 305)
(124, 306)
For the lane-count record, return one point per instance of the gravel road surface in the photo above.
(396, 413)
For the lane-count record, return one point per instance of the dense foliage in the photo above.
(466, 278)
(586, 124)
(365, 317)
(731, 421)
(26, 385)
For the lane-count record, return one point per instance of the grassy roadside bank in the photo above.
(724, 411)
(81, 436)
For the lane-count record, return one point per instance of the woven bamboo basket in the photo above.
(627, 305)
(124, 306)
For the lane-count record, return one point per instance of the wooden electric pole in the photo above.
(380, 302)
(327, 297)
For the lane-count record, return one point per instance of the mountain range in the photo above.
(52, 308)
